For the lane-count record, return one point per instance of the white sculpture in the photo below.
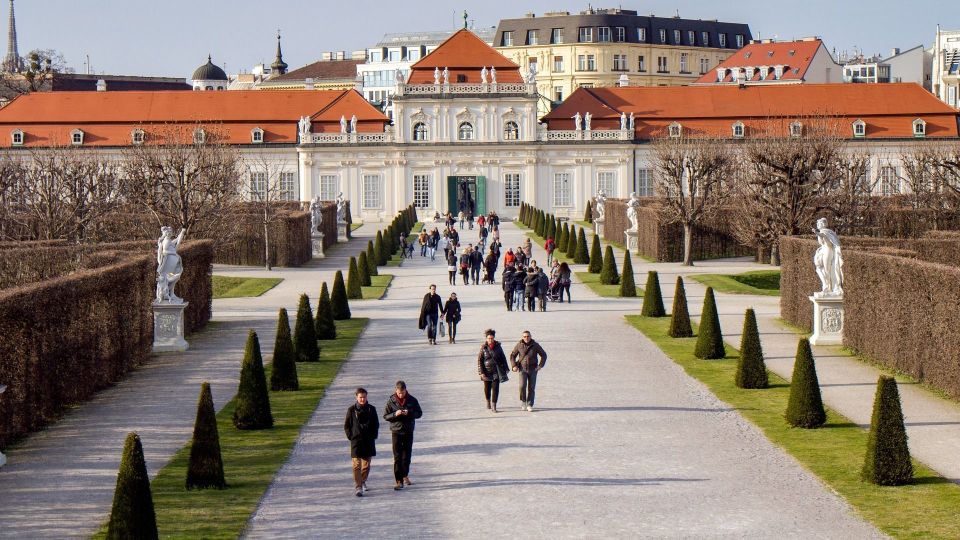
(341, 208)
(446, 76)
(343, 124)
(828, 261)
(169, 266)
(483, 75)
(623, 121)
(631, 120)
(599, 205)
(436, 75)
(586, 120)
(576, 121)
(353, 124)
(316, 215)
(633, 206)
(399, 77)
(493, 75)
(532, 74)
(304, 128)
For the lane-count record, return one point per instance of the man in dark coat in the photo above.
(543, 284)
(361, 428)
(476, 263)
(402, 411)
(524, 359)
(430, 310)
(507, 282)
(530, 285)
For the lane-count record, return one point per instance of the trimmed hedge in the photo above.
(887, 462)
(608, 271)
(354, 292)
(628, 288)
(132, 514)
(596, 258)
(305, 333)
(751, 369)
(283, 375)
(709, 337)
(363, 269)
(805, 406)
(371, 259)
(290, 240)
(680, 315)
(338, 298)
(205, 468)
(253, 401)
(652, 297)
(580, 256)
(326, 328)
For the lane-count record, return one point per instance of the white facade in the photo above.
(946, 66)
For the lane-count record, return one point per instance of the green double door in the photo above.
(467, 193)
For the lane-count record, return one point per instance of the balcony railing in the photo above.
(466, 88)
(585, 135)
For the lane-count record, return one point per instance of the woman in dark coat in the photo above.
(451, 314)
(452, 268)
(564, 278)
(490, 263)
(465, 266)
(492, 368)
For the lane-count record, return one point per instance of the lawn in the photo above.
(835, 453)
(762, 282)
(250, 458)
(238, 287)
(354, 226)
(610, 291)
(397, 259)
(378, 287)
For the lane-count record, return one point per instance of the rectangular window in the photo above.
(394, 55)
(507, 39)
(641, 64)
(691, 38)
(561, 189)
(604, 34)
(586, 62)
(556, 35)
(413, 54)
(643, 186)
(704, 65)
(558, 64)
(620, 62)
(511, 190)
(676, 37)
(739, 41)
(591, 62)
(532, 37)
(421, 190)
(586, 34)
(258, 186)
(889, 181)
(683, 63)
(375, 56)
(288, 186)
(663, 35)
(722, 40)
(328, 187)
(607, 181)
(642, 35)
(662, 64)
(705, 38)
(372, 191)
(558, 93)
(620, 33)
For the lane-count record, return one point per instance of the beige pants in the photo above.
(361, 469)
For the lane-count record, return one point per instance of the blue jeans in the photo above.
(518, 299)
(431, 327)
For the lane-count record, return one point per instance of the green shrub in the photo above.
(608, 273)
(305, 333)
(382, 256)
(652, 297)
(283, 375)
(628, 287)
(323, 323)
(363, 269)
(751, 370)
(132, 515)
(354, 292)
(538, 223)
(338, 297)
(390, 237)
(371, 259)
(709, 337)
(588, 213)
(680, 317)
(596, 257)
(805, 406)
(887, 462)
(252, 402)
(562, 241)
(581, 256)
(205, 469)
(551, 228)
(572, 243)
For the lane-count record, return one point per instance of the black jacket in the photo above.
(452, 311)
(361, 427)
(543, 283)
(530, 283)
(524, 356)
(491, 362)
(403, 423)
(476, 259)
(507, 278)
(432, 305)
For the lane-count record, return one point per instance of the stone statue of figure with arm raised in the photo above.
(341, 208)
(600, 208)
(828, 261)
(316, 215)
(632, 208)
(169, 265)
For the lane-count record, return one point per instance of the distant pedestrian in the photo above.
(509, 259)
(361, 427)
(460, 218)
(492, 368)
(527, 248)
(543, 285)
(528, 358)
(490, 265)
(422, 240)
(465, 266)
(469, 217)
(452, 267)
(564, 279)
(432, 239)
(530, 287)
(430, 310)
(518, 289)
(549, 246)
(506, 281)
(451, 314)
(476, 264)
(402, 411)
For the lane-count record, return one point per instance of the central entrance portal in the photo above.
(467, 194)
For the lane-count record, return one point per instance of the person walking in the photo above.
(509, 259)
(465, 265)
(549, 246)
(490, 264)
(451, 314)
(452, 267)
(402, 411)
(527, 248)
(528, 358)
(565, 278)
(530, 285)
(422, 240)
(482, 221)
(430, 310)
(476, 263)
(460, 217)
(469, 217)
(507, 283)
(492, 368)
(482, 242)
(518, 289)
(432, 239)
(443, 243)
(543, 285)
(361, 427)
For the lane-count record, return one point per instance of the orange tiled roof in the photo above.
(888, 109)
(795, 55)
(464, 53)
(107, 118)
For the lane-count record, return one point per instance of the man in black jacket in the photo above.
(430, 310)
(402, 411)
(476, 263)
(524, 359)
(543, 285)
(361, 428)
(507, 282)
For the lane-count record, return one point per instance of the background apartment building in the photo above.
(946, 66)
(598, 47)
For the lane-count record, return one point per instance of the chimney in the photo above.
(101, 85)
(894, 51)
(308, 83)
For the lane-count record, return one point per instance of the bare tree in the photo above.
(270, 184)
(850, 196)
(692, 175)
(38, 68)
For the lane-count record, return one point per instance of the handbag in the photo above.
(451, 268)
(443, 332)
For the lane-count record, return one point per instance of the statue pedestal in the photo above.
(827, 320)
(630, 241)
(3, 458)
(343, 231)
(598, 227)
(168, 327)
(317, 243)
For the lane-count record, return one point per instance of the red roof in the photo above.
(795, 56)
(464, 53)
(888, 109)
(107, 118)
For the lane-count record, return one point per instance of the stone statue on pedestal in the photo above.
(599, 206)
(303, 128)
(341, 208)
(316, 215)
(493, 75)
(169, 266)
(631, 121)
(436, 75)
(353, 123)
(586, 120)
(623, 121)
(483, 75)
(828, 261)
(576, 121)
(633, 206)
(446, 76)
(343, 124)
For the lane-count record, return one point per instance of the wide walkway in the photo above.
(622, 444)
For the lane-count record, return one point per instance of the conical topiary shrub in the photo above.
(354, 292)
(323, 322)
(571, 248)
(608, 274)
(709, 337)
(581, 256)
(205, 469)
(596, 257)
(680, 317)
(283, 374)
(628, 287)
(371, 259)
(305, 333)
(381, 250)
(751, 370)
(588, 213)
(652, 298)
(132, 515)
(338, 298)
(805, 406)
(253, 403)
(552, 229)
(363, 270)
(887, 462)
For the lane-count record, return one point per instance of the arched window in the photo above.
(796, 129)
(465, 132)
(675, 130)
(420, 132)
(137, 136)
(256, 135)
(919, 128)
(199, 136)
(511, 131)
(859, 129)
(738, 130)
(76, 137)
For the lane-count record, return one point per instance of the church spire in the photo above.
(11, 63)
(278, 67)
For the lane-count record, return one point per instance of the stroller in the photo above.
(555, 291)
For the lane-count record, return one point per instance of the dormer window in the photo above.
(199, 136)
(778, 72)
(511, 131)
(420, 132)
(16, 137)
(76, 137)
(738, 130)
(675, 130)
(796, 130)
(137, 136)
(749, 73)
(919, 128)
(721, 73)
(465, 132)
(859, 129)
(256, 135)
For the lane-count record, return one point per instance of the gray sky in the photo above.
(173, 37)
